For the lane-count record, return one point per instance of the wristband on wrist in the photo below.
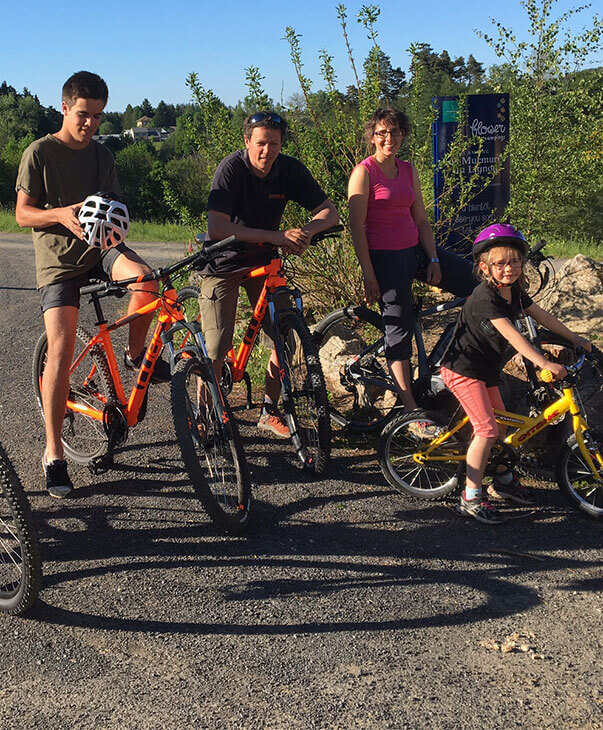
(434, 260)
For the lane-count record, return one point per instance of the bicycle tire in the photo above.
(211, 449)
(397, 446)
(84, 439)
(20, 561)
(349, 343)
(575, 480)
(306, 406)
(188, 298)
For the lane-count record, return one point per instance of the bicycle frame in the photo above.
(169, 315)
(525, 428)
(274, 285)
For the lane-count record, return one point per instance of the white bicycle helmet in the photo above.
(105, 220)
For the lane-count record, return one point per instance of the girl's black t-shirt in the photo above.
(477, 348)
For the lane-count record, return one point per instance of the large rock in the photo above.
(575, 296)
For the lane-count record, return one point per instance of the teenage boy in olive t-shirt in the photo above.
(56, 174)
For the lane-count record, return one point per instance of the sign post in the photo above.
(487, 117)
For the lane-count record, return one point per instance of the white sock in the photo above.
(471, 493)
(266, 407)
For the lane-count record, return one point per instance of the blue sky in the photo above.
(147, 48)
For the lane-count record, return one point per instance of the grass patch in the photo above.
(568, 248)
(142, 231)
(8, 224)
(147, 231)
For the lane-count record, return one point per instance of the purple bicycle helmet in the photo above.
(499, 234)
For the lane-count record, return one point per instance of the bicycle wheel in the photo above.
(522, 395)
(20, 562)
(84, 438)
(575, 479)
(350, 348)
(402, 438)
(306, 405)
(211, 446)
(188, 298)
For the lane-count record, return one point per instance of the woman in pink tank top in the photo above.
(388, 221)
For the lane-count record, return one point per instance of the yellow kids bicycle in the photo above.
(432, 466)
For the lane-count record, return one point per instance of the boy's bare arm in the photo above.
(28, 215)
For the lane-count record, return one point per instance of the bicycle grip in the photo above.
(546, 376)
(537, 247)
(93, 288)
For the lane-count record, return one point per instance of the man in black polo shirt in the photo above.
(248, 196)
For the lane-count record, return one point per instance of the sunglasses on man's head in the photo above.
(265, 117)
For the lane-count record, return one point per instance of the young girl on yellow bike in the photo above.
(474, 360)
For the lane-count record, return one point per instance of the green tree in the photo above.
(9, 165)
(129, 117)
(556, 122)
(165, 115)
(134, 164)
(146, 108)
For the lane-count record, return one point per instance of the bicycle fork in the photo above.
(288, 405)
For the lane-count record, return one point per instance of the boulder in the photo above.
(575, 296)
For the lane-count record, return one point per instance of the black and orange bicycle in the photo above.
(20, 562)
(304, 394)
(99, 413)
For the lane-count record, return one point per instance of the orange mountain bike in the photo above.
(99, 414)
(304, 394)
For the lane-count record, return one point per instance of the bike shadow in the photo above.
(334, 560)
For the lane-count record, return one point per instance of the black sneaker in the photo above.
(58, 482)
(161, 373)
(514, 490)
(480, 509)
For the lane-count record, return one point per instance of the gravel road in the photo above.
(345, 606)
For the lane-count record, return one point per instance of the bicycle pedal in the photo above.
(101, 465)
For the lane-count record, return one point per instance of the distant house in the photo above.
(142, 130)
(155, 134)
(102, 138)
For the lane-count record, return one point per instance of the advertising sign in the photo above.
(486, 116)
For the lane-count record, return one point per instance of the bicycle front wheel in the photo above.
(576, 480)
(20, 562)
(350, 348)
(84, 438)
(399, 449)
(305, 401)
(211, 446)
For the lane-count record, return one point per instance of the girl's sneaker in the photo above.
(514, 490)
(480, 509)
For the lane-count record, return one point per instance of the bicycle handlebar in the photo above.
(197, 259)
(327, 233)
(548, 377)
(534, 253)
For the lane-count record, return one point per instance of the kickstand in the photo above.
(247, 380)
